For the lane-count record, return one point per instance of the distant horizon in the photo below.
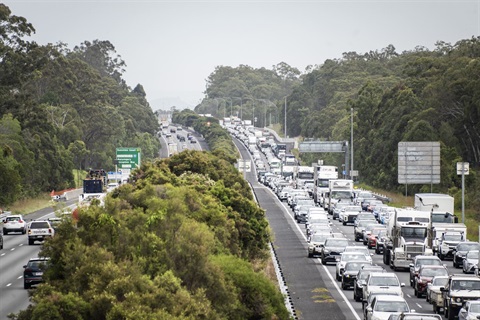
(172, 47)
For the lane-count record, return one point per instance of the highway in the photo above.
(312, 286)
(15, 254)
(181, 145)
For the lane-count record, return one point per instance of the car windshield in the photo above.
(376, 232)
(453, 237)
(410, 232)
(13, 219)
(472, 255)
(384, 281)
(475, 307)
(353, 257)
(354, 266)
(39, 225)
(468, 246)
(465, 285)
(366, 217)
(336, 243)
(441, 282)
(428, 262)
(391, 306)
(319, 238)
(353, 208)
(431, 272)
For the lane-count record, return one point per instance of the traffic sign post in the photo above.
(463, 168)
(128, 158)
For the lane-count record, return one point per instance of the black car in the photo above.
(350, 272)
(461, 250)
(33, 271)
(359, 280)
(332, 249)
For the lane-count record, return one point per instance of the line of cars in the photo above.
(36, 230)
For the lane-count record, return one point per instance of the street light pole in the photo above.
(285, 125)
(351, 143)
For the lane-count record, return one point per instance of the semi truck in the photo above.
(303, 174)
(339, 190)
(409, 233)
(321, 175)
(440, 205)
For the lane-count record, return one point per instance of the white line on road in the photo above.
(419, 305)
(8, 285)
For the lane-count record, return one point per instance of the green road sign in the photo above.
(128, 158)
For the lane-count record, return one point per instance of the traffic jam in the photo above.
(389, 263)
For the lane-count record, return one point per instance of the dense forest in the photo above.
(183, 240)
(417, 95)
(63, 109)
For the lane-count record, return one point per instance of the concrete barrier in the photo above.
(73, 194)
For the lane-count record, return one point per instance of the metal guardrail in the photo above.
(382, 197)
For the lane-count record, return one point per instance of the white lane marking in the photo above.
(419, 305)
(20, 277)
(12, 249)
(1, 255)
(357, 317)
(8, 285)
(409, 295)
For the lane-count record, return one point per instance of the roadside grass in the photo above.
(26, 206)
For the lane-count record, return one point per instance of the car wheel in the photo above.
(451, 315)
(376, 250)
(338, 277)
(440, 256)
(364, 242)
(344, 287)
(24, 231)
(418, 294)
(26, 285)
(5, 232)
(455, 265)
(31, 242)
(324, 262)
(426, 298)
(344, 223)
(310, 255)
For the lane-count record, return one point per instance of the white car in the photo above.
(470, 311)
(383, 306)
(348, 257)
(14, 223)
(360, 249)
(382, 282)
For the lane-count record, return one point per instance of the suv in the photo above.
(332, 249)
(33, 271)
(425, 276)
(14, 223)
(459, 289)
(419, 261)
(348, 257)
(461, 250)
(359, 280)
(360, 227)
(39, 230)
(315, 243)
(382, 282)
(350, 272)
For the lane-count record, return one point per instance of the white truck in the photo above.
(409, 233)
(440, 205)
(321, 175)
(339, 190)
(303, 174)
(172, 149)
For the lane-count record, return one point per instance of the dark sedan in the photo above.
(461, 250)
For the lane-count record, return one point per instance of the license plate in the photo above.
(38, 273)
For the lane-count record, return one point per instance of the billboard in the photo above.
(128, 158)
(419, 162)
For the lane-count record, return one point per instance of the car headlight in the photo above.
(347, 275)
(458, 299)
(326, 251)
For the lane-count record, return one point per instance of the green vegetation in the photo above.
(417, 95)
(180, 242)
(63, 109)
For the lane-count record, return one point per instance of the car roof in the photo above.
(389, 297)
(39, 259)
(383, 274)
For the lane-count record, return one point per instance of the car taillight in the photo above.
(29, 231)
(49, 230)
(20, 221)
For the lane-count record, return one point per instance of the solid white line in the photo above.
(357, 317)
(419, 305)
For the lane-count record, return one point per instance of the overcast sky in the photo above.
(171, 47)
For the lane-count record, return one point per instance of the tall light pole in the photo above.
(285, 125)
(351, 143)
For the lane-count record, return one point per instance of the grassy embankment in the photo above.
(26, 206)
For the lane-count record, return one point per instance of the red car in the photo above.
(372, 237)
(425, 276)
